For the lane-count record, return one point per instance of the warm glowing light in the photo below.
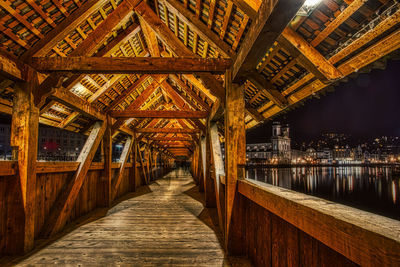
(311, 3)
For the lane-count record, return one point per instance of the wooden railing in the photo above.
(287, 227)
(51, 180)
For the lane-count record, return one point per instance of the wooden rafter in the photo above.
(126, 65)
(163, 114)
(271, 19)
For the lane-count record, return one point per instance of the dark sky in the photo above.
(365, 106)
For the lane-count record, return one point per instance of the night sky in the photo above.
(365, 106)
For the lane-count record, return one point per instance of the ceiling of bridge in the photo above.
(333, 39)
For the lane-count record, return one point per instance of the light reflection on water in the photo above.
(374, 189)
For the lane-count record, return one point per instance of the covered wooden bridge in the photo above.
(172, 80)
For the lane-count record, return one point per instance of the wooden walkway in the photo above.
(162, 224)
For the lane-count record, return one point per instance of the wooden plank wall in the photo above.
(271, 241)
(49, 185)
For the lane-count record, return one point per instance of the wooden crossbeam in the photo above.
(268, 89)
(271, 19)
(173, 42)
(180, 102)
(164, 114)
(339, 20)
(166, 130)
(123, 159)
(78, 104)
(89, 46)
(319, 63)
(11, 67)
(170, 138)
(136, 104)
(127, 65)
(189, 91)
(65, 202)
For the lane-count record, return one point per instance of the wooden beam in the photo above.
(151, 38)
(170, 139)
(321, 64)
(180, 102)
(11, 68)
(44, 46)
(127, 65)
(272, 18)
(235, 155)
(78, 104)
(89, 46)
(268, 89)
(135, 105)
(124, 159)
(254, 113)
(357, 62)
(65, 202)
(164, 114)
(24, 142)
(189, 91)
(339, 20)
(250, 8)
(127, 92)
(173, 42)
(199, 27)
(166, 130)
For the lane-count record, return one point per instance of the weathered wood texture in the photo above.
(302, 230)
(50, 181)
(163, 224)
(123, 65)
(271, 241)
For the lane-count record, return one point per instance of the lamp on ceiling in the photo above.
(308, 7)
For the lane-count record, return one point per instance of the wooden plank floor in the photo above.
(168, 225)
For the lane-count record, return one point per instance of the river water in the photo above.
(373, 189)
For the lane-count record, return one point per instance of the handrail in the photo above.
(365, 238)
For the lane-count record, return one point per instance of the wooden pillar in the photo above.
(200, 166)
(235, 154)
(207, 162)
(107, 175)
(24, 143)
(133, 174)
(217, 173)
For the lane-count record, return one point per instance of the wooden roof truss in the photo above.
(279, 60)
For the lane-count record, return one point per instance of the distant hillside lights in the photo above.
(279, 151)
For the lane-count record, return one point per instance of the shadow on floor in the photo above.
(209, 216)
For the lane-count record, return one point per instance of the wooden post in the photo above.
(134, 159)
(24, 142)
(235, 154)
(218, 171)
(200, 174)
(209, 190)
(107, 175)
(123, 161)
